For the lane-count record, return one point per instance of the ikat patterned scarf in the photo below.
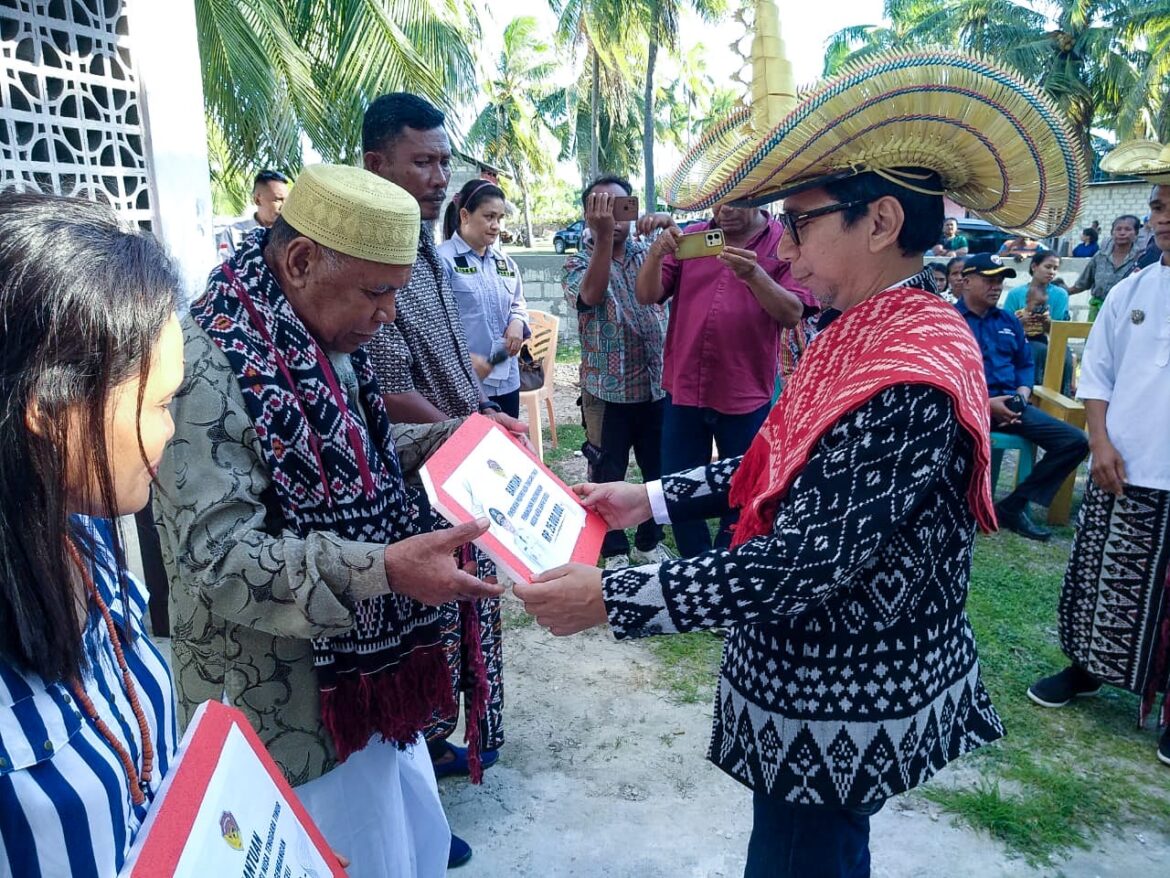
(904, 335)
(331, 472)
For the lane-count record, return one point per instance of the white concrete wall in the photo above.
(1106, 201)
(166, 54)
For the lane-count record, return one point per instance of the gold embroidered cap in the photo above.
(1000, 147)
(354, 212)
(1139, 158)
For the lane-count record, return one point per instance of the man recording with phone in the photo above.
(730, 305)
(1007, 364)
(621, 356)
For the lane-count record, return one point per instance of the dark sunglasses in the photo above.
(792, 221)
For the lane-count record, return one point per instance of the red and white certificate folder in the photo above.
(537, 523)
(226, 810)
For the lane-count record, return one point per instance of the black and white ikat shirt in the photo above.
(850, 672)
(425, 349)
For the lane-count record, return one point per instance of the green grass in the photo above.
(689, 661)
(570, 438)
(515, 618)
(689, 664)
(1060, 776)
(568, 353)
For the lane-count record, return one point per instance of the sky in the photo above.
(805, 26)
(804, 30)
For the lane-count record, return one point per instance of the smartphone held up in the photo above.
(625, 209)
(698, 244)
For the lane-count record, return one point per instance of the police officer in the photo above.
(487, 288)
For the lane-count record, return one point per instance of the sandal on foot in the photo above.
(460, 853)
(458, 767)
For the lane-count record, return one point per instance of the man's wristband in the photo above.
(488, 406)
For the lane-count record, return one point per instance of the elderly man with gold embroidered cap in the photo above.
(304, 580)
(850, 672)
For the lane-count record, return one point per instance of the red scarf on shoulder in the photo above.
(900, 336)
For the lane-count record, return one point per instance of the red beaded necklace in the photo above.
(137, 781)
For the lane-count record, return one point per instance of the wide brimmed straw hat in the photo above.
(1139, 158)
(354, 212)
(1001, 148)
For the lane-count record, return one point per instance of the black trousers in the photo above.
(625, 426)
(1064, 448)
(509, 403)
(808, 841)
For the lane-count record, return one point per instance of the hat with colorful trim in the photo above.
(998, 145)
(1139, 158)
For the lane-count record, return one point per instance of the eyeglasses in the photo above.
(792, 221)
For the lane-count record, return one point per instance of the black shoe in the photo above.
(460, 853)
(1019, 522)
(1059, 689)
(1164, 746)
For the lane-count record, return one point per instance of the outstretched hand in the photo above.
(565, 600)
(621, 505)
(423, 567)
(648, 223)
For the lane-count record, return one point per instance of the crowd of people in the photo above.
(281, 420)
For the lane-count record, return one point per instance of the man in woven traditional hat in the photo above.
(850, 672)
(1115, 604)
(304, 582)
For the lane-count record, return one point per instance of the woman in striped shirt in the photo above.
(90, 356)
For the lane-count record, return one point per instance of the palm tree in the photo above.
(508, 128)
(604, 29)
(277, 70)
(1147, 106)
(1090, 56)
(602, 133)
(860, 41)
(662, 30)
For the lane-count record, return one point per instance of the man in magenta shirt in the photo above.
(722, 342)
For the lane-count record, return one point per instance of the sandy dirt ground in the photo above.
(604, 776)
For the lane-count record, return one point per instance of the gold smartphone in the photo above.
(625, 209)
(699, 244)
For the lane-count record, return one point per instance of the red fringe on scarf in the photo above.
(479, 690)
(397, 705)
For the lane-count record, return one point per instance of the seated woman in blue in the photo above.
(1088, 246)
(1037, 303)
(91, 356)
(487, 288)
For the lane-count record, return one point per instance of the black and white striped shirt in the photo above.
(65, 805)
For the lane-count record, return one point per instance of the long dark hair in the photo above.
(82, 305)
(474, 193)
